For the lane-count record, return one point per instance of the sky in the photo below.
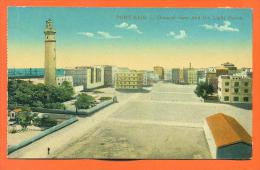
(138, 38)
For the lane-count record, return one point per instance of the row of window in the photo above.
(236, 90)
(127, 87)
(124, 78)
(236, 98)
(236, 84)
(127, 83)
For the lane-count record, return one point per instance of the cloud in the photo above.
(225, 27)
(182, 34)
(107, 35)
(127, 26)
(99, 35)
(87, 34)
(122, 25)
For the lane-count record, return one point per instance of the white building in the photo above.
(235, 89)
(61, 79)
(90, 77)
(190, 75)
(168, 75)
(176, 75)
(152, 76)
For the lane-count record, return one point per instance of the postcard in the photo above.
(129, 83)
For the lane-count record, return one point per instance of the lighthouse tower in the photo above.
(50, 54)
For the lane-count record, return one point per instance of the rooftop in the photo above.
(226, 130)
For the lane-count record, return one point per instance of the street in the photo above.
(163, 124)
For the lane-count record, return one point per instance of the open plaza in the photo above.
(166, 123)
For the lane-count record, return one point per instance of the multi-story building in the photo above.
(132, 80)
(235, 89)
(61, 79)
(146, 80)
(159, 71)
(201, 75)
(212, 75)
(168, 75)
(109, 75)
(182, 76)
(176, 75)
(90, 77)
(152, 77)
(190, 76)
(245, 72)
(232, 69)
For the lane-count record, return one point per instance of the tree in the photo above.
(26, 93)
(24, 118)
(84, 101)
(204, 89)
(56, 105)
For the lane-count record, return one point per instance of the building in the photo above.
(132, 80)
(168, 75)
(146, 80)
(232, 69)
(61, 79)
(159, 71)
(176, 75)
(152, 77)
(226, 138)
(190, 76)
(222, 71)
(211, 78)
(235, 89)
(201, 75)
(182, 76)
(50, 54)
(90, 77)
(247, 72)
(109, 75)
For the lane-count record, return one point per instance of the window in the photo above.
(246, 90)
(235, 99)
(226, 83)
(246, 83)
(226, 98)
(236, 84)
(245, 99)
(226, 90)
(236, 90)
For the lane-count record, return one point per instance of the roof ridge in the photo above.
(241, 138)
(225, 118)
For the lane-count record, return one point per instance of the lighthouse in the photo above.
(50, 54)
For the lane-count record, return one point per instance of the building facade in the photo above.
(152, 77)
(90, 77)
(159, 71)
(50, 54)
(109, 75)
(235, 89)
(61, 79)
(176, 75)
(190, 76)
(201, 76)
(168, 75)
(129, 80)
(232, 69)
